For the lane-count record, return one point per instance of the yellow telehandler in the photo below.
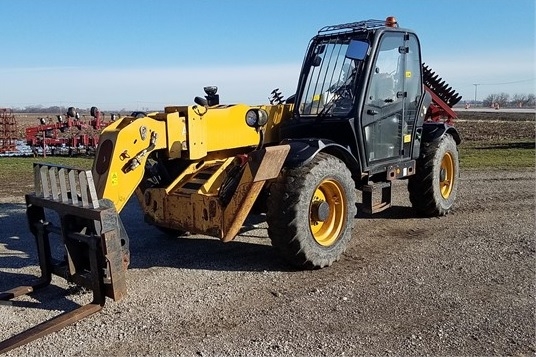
(366, 112)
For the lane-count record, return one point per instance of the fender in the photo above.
(303, 151)
(434, 131)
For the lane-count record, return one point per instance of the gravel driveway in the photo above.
(458, 285)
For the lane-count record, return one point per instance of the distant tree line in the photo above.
(505, 101)
(40, 109)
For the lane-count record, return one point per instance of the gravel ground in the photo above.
(458, 285)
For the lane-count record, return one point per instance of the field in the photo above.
(499, 118)
(494, 140)
(462, 284)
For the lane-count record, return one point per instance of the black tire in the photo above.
(433, 189)
(93, 111)
(138, 115)
(311, 212)
(71, 112)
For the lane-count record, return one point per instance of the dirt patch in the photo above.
(495, 115)
(483, 130)
(495, 125)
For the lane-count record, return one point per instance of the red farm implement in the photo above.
(68, 135)
(8, 130)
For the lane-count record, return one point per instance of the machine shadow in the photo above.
(17, 246)
(394, 212)
(198, 252)
(149, 247)
(51, 297)
(250, 251)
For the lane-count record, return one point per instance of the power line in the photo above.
(513, 82)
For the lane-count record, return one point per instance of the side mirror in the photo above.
(357, 50)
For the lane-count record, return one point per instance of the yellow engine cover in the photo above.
(216, 128)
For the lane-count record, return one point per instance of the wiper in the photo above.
(326, 108)
(338, 93)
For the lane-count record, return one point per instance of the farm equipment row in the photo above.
(69, 135)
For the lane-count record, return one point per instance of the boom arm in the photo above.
(191, 133)
(123, 150)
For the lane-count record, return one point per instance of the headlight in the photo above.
(252, 118)
(256, 117)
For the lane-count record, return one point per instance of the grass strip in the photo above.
(16, 169)
(498, 155)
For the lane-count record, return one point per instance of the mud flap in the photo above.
(264, 165)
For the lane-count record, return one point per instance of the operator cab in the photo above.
(361, 87)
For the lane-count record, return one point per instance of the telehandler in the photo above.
(366, 112)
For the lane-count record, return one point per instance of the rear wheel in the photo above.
(433, 189)
(311, 212)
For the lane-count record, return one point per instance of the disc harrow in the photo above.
(440, 87)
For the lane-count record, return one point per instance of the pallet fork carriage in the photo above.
(95, 258)
(366, 112)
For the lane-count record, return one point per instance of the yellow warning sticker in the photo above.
(407, 138)
(408, 74)
(114, 179)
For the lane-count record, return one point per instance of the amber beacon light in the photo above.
(391, 22)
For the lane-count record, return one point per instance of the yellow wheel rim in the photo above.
(327, 225)
(446, 175)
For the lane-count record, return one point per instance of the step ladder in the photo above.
(371, 204)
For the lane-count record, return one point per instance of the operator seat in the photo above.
(382, 89)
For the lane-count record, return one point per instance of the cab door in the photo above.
(394, 85)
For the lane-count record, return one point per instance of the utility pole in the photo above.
(476, 86)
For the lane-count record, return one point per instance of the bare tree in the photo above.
(531, 100)
(490, 100)
(519, 100)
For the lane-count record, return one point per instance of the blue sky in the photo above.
(147, 54)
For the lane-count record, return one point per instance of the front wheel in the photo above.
(311, 212)
(433, 189)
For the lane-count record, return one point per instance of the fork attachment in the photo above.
(95, 245)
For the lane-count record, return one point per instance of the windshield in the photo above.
(330, 84)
